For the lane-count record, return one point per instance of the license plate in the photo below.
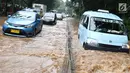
(15, 31)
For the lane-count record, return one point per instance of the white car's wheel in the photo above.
(85, 46)
(78, 36)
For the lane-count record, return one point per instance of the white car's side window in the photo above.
(86, 18)
(85, 22)
(82, 19)
(92, 25)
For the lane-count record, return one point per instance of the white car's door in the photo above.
(83, 29)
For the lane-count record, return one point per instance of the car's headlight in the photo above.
(6, 23)
(125, 46)
(29, 26)
(92, 42)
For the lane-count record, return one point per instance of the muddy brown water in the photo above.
(44, 53)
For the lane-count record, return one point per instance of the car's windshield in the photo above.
(49, 15)
(24, 15)
(59, 14)
(107, 26)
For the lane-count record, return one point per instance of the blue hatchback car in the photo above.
(23, 24)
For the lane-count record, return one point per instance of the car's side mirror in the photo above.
(9, 16)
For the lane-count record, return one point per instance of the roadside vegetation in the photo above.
(79, 6)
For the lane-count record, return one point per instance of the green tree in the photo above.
(51, 4)
(111, 5)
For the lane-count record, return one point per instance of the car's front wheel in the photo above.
(54, 22)
(41, 28)
(85, 46)
(35, 32)
(78, 36)
(32, 35)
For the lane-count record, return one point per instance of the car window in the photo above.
(85, 22)
(59, 14)
(107, 26)
(24, 15)
(82, 19)
(49, 15)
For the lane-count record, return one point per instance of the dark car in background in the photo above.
(49, 18)
(59, 16)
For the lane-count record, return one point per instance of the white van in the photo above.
(101, 29)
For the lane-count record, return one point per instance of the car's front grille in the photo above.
(9, 31)
(109, 46)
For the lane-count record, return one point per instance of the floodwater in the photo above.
(44, 53)
(47, 53)
(95, 61)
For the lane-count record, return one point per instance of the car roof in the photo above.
(28, 12)
(28, 9)
(102, 15)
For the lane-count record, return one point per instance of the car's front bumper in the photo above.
(48, 22)
(22, 31)
(59, 18)
(107, 48)
(15, 35)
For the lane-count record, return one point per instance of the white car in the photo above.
(59, 16)
(102, 30)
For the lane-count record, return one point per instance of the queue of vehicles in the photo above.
(97, 29)
(52, 17)
(28, 22)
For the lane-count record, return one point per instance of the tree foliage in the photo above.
(111, 5)
(49, 3)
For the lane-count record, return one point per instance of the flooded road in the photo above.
(46, 53)
(56, 49)
(95, 61)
